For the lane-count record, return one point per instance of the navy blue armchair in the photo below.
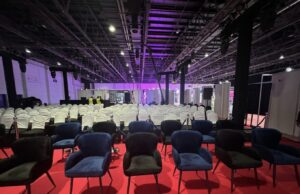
(188, 155)
(93, 158)
(140, 126)
(65, 135)
(205, 128)
(267, 142)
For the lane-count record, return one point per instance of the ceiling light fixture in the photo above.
(226, 81)
(177, 31)
(58, 63)
(111, 28)
(127, 64)
(206, 55)
(189, 65)
(122, 53)
(289, 69)
(129, 71)
(220, 82)
(27, 51)
(281, 57)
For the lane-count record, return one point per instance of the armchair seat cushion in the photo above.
(240, 160)
(88, 167)
(142, 165)
(208, 139)
(192, 161)
(282, 158)
(66, 143)
(18, 175)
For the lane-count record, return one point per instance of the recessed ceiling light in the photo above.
(129, 71)
(122, 53)
(206, 55)
(220, 82)
(44, 26)
(111, 28)
(226, 81)
(127, 64)
(58, 63)
(27, 51)
(289, 69)
(189, 65)
(281, 57)
(177, 31)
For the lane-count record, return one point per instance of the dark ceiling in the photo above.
(155, 36)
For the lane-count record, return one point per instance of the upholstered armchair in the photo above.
(167, 128)
(267, 142)
(5, 139)
(140, 126)
(231, 151)
(32, 158)
(65, 135)
(141, 157)
(92, 159)
(205, 128)
(187, 153)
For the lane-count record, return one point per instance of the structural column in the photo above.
(66, 87)
(242, 70)
(167, 88)
(10, 81)
(182, 84)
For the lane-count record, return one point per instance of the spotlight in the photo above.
(189, 65)
(226, 81)
(220, 82)
(288, 69)
(177, 31)
(58, 63)
(122, 53)
(28, 51)
(127, 64)
(206, 55)
(281, 57)
(111, 28)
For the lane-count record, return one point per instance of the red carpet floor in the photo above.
(191, 183)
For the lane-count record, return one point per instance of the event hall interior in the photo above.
(149, 96)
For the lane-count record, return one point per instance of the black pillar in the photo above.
(10, 81)
(66, 87)
(182, 84)
(87, 85)
(242, 70)
(167, 88)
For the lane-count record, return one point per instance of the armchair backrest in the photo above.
(203, 126)
(229, 139)
(141, 143)
(94, 144)
(186, 141)
(105, 127)
(266, 136)
(140, 126)
(68, 130)
(33, 149)
(169, 126)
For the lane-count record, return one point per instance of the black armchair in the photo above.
(32, 158)
(231, 151)
(167, 128)
(5, 139)
(141, 157)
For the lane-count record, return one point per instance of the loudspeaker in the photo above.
(207, 93)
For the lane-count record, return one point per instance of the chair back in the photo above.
(33, 149)
(105, 127)
(226, 124)
(229, 139)
(186, 141)
(266, 136)
(169, 126)
(140, 126)
(94, 144)
(141, 144)
(203, 126)
(68, 130)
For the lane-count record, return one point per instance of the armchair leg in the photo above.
(88, 182)
(274, 175)
(216, 166)
(174, 171)
(156, 181)
(232, 177)
(4, 152)
(109, 175)
(71, 185)
(162, 148)
(28, 189)
(297, 174)
(50, 178)
(128, 185)
(256, 178)
(180, 176)
(165, 150)
(62, 154)
(207, 182)
(101, 188)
